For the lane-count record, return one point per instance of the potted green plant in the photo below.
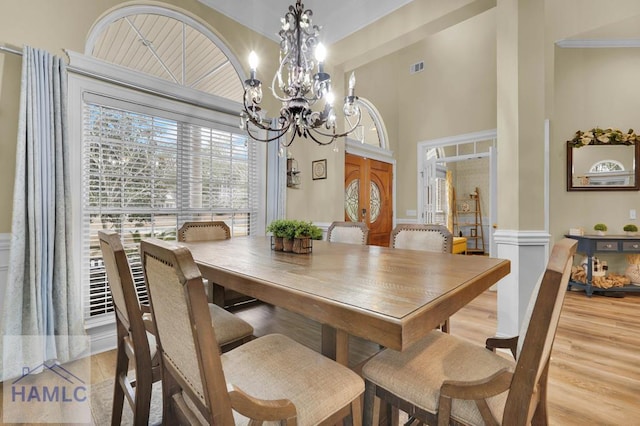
(293, 235)
(279, 228)
(305, 232)
(630, 229)
(308, 230)
(600, 228)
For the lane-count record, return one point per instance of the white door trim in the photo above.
(462, 139)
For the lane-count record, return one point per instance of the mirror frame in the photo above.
(570, 186)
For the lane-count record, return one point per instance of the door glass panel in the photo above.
(374, 206)
(351, 195)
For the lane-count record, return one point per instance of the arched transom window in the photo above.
(169, 46)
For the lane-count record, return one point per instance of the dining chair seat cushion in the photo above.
(280, 368)
(417, 373)
(228, 327)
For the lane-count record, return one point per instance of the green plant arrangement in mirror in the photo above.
(630, 228)
(598, 136)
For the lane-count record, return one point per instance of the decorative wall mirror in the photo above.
(603, 167)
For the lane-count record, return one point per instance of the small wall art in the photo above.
(319, 169)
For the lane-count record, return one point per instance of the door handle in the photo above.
(364, 214)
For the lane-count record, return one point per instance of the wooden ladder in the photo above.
(467, 221)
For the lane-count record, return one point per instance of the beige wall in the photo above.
(54, 25)
(411, 106)
(455, 94)
(593, 87)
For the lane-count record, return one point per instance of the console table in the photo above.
(590, 244)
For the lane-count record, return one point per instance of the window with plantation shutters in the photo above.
(146, 171)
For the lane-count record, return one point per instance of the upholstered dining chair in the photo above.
(271, 378)
(436, 238)
(204, 231)
(444, 379)
(211, 231)
(348, 232)
(136, 342)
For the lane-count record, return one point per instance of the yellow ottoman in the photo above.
(459, 245)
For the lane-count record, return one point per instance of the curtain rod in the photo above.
(10, 50)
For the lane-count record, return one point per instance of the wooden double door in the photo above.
(368, 186)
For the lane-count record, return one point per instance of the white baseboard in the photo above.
(103, 338)
(406, 221)
(102, 332)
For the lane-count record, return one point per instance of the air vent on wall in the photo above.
(417, 67)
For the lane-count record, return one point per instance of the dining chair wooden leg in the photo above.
(122, 365)
(144, 382)
(395, 415)
(169, 388)
(369, 411)
(356, 412)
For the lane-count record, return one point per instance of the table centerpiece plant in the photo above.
(293, 235)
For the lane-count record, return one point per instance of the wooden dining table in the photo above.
(393, 297)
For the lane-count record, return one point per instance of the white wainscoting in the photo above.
(528, 252)
(102, 333)
(5, 245)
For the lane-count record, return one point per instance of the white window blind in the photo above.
(147, 171)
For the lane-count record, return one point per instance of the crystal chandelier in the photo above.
(299, 90)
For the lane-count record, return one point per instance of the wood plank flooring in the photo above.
(595, 371)
(594, 376)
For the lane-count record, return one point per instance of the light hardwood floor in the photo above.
(594, 376)
(595, 372)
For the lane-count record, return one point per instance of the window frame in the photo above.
(83, 81)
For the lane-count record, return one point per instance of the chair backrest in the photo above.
(533, 358)
(204, 231)
(348, 232)
(436, 238)
(186, 338)
(122, 287)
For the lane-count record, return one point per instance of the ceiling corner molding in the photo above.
(594, 44)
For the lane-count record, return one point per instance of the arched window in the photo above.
(607, 166)
(167, 45)
(608, 172)
(155, 98)
(370, 130)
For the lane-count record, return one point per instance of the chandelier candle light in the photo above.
(297, 89)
